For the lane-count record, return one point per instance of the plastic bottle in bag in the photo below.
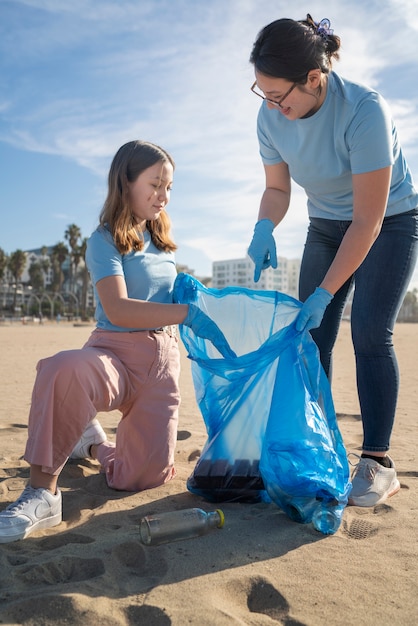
(325, 515)
(177, 525)
(327, 518)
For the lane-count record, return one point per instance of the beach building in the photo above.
(240, 273)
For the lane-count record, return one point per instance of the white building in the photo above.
(240, 273)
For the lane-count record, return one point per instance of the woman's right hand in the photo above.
(313, 309)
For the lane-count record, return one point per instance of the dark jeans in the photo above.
(380, 284)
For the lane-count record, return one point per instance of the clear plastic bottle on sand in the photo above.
(176, 525)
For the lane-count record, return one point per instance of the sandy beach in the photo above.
(260, 569)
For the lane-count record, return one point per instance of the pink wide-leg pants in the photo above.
(135, 372)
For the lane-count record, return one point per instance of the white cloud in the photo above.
(405, 112)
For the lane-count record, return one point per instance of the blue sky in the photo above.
(78, 79)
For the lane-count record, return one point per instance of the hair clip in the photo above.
(323, 29)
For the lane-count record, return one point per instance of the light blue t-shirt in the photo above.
(149, 274)
(352, 133)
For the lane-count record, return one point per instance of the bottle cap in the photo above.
(221, 518)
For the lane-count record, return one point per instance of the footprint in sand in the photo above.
(13, 481)
(193, 456)
(33, 565)
(362, 523)
(358, 528)
(183, 434)
(21, 556)
(12, 487)
(10, 427)
(49, 610)
(147, 614)
(136, 561)
(262, 597)
(186, 452)
(412, 474)
(64, 569)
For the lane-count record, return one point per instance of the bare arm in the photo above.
(127, 312)
(276, 197)
(370, 191)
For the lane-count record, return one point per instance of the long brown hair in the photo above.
(128, 163)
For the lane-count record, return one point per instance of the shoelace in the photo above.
(24, 497)
(357, 456)
(363, 470)
(354, 464)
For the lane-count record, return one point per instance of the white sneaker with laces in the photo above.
(93, 435)
(372, 483)
(35, 509)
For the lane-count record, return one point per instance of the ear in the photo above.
(314, 78)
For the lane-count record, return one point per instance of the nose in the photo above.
(270, 105)
(163, 195)
(274, 105)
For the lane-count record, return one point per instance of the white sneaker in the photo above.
(36, 509)
(372, 483)
(94, 434)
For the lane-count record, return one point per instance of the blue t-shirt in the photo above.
(149, 274)
(352, 133)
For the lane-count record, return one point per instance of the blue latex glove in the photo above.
(313, 309)
(262, 248)
(204, 327)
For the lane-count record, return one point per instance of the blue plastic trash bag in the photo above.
(272, 431)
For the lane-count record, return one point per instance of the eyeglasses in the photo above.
(276, 103)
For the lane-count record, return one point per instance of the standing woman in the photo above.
(336, 139)
(131, 361)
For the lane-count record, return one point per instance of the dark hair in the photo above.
(290, 49)
(128, 163)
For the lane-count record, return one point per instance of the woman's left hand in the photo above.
(262, 249)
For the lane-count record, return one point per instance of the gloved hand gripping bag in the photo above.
(271, 427)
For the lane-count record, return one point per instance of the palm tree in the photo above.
(16, 265)
(45, 263)
(58, 256)
(3, 266)
(3, 263)
(409, 308)
(85, 277)
(72, 235)
(36, 276)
